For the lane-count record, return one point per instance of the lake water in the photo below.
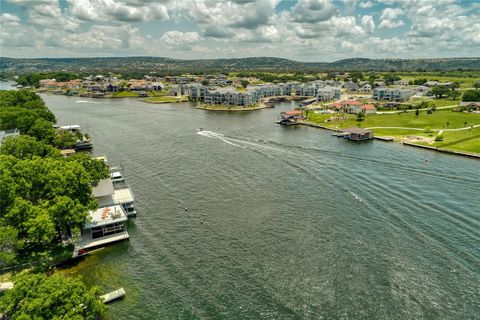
(297, 224)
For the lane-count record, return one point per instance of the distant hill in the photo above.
(224, 65)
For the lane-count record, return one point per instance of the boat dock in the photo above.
(114, 295)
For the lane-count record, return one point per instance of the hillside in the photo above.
(224, 65)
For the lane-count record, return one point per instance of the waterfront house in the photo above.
(108, 195)
(350, 106)
(357, 134)
(106, 225)
(290, 117)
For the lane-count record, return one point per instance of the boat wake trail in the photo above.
(238, 142)
(356, 196)
(85, 101)
(215, 135)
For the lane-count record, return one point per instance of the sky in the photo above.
(303, 30)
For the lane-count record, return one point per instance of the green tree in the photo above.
(360, 116)
(38, 296)
(390, 78)
(26, 147)
(42, 130)
(476, 85)
(205, 82)
(471, 96)
(244, 83)
(439, 91)
(97, 169)
(44, 199)
(417, 112)
(64, 139)
(8, 245)
(356, 75)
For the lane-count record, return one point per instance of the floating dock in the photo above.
(114, 295)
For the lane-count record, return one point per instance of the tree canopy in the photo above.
(27, 112)
(439, 91)
(471, 96)
(56, 297)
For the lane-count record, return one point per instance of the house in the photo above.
(369, 109)
(391, 94)
(403, 83)
(290, 117)
(106, 226)
(350, 106)
(328, 93)
(8, 133)
(108, 195)
(431, 83)
(357, 134)
(350, 86)
(421, 91)
(470, 106)
(366, 88)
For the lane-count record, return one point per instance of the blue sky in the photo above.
(305, 30)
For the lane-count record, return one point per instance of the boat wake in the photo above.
(238, 142)
(85, 101)
(356, 196)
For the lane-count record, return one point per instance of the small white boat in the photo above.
(114, 295)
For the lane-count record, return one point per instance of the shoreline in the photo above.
(258, 106)
(391, 139)
(162, 102)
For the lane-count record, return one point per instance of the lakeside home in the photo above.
(357, 134)
(108, 194)
(106, 226)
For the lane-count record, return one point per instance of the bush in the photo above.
(427, 129)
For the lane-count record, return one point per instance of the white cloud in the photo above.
(365, 4)
(389, 18)
(313, 11)
(368, 23)
(344, 26)
(120, 10)
(11, 20)
(177, 38)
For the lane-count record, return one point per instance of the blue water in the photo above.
(297, 224)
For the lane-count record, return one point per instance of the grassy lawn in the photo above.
(165, 99)
(158, 93)
(465, 140)
(443, 102)
(319, 118)
(436, 120)
(124, 94)
(465, 81)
